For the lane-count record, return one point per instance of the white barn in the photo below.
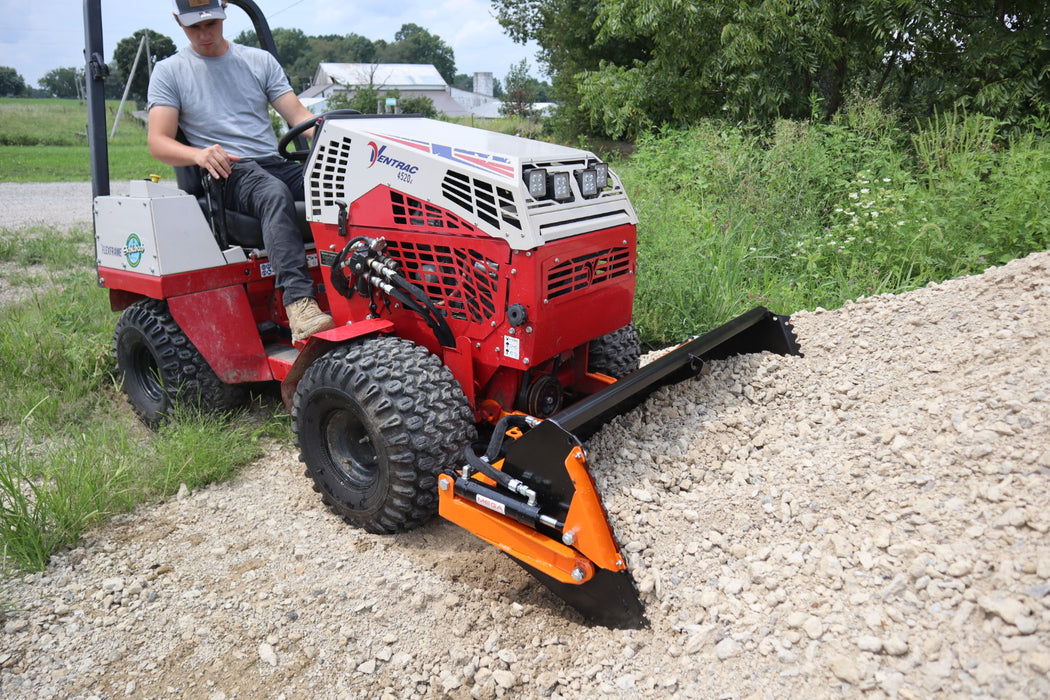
(409, 79)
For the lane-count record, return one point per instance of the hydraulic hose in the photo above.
(483, 464)
(339, 281)
(373, 269)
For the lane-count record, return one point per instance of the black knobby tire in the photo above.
(160, 369)
(376, 422)
(615, 354)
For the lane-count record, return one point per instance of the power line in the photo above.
(297, 2)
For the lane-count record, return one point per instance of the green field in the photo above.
(46, 141)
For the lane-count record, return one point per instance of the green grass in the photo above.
(55, 485)
(71, 452)
(513, 126)
(73, 164)
(62, 122)
(46, 141)
(46, 502)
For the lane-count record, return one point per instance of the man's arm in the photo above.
(163, 125)
(292, 110)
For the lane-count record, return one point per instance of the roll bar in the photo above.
(96, 70)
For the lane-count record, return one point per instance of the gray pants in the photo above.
(267, 189)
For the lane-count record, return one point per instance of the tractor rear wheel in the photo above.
(615, 354)
(376, 422)
(160, 369)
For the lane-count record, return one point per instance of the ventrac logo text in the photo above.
(405, 170)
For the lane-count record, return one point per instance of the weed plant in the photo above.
(816, 214)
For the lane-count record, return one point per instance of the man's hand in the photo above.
(163, 125)
(216, 161)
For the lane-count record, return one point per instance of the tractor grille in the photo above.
(328, 177)
(408, 211)
(586, 271)
(493, 205)
(461, 281)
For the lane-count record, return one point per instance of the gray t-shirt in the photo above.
(224, 99)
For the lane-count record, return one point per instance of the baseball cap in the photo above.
(190, 12)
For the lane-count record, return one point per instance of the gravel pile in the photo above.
(868, 520)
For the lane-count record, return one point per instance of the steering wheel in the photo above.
(300, 155)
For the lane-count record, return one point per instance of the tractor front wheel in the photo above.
(159, 368)
(376, 422)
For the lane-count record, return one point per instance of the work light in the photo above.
(562, 191)
(588, 180)
(536, 181)
(601, 170)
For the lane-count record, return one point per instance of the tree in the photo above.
(114, 83)
(743, 60)
(988, 57)
(12, 84)
(365, 99)
(419, 104)
(160, 47)
(567, 32)
(541, 90)
(519, 94)
(299, 54)
(292, 46)
(679, 60)
(413, 44)
(63, 82)
(463, 82)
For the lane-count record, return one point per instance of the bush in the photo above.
(811, 215)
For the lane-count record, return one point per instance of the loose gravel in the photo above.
(868, 520)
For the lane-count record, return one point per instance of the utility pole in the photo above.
(143, 44)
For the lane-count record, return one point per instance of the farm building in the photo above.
(409, 79)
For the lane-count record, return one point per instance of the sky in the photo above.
(39, 35)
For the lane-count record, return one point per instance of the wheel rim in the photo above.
(351, 449)
(145, 372)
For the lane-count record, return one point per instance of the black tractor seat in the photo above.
(230, 227)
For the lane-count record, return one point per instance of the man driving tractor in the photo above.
(218, 92)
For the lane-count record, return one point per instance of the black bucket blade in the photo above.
(609, 599)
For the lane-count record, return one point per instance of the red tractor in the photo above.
(482, 286)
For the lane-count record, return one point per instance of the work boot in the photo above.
(306, 318)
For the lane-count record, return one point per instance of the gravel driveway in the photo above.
(869, 520)
(47, 203)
